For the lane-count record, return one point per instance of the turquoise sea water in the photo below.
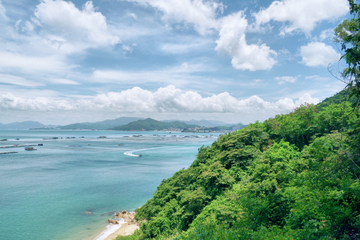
(70, 186)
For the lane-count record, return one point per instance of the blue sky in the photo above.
(236, 61)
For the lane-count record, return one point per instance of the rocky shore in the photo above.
(126, 228)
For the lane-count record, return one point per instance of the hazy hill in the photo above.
(21, 125)
(151, 124)
(103, 125)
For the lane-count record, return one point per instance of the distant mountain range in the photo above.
(126, 124)
(23, 125)
(103, 125)
(150, 124)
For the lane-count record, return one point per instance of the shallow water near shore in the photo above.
(70, 186)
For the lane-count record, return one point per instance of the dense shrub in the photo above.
(295, 176)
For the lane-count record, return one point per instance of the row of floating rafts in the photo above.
(7, 152)
(27, 147)
(55, 138)
(4, 140)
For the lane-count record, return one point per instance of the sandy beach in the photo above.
(124, 230)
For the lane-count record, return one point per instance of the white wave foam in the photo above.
(131, 154)
(110, 229)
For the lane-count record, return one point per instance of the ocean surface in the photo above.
(70, 186)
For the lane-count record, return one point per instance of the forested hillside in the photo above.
(295, 176)
(337, 98)
(151, 125)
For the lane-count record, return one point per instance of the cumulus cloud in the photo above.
(318, 54)
(286, 79)
(164, 100)
(306, 98)
(301, 15)
(11, 102)
(232, 42)
(202, 14)
(64, 19)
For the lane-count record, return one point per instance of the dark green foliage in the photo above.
(151, 124)
(294, 176)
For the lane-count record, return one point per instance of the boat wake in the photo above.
(131, 154)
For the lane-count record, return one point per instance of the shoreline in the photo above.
(124, 227)
(125, 230)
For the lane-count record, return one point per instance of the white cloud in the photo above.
(126, 48)
(301, 15)
(80, 26)
(2, 11)
(286, 79)
(318, 54)
(186, 47)
(327, 34)
(165, 100)
(64, 81)
(178, 74)
(133, 15)
(25, 63)
(16, 80)
(317, 78)
(306, 98)
(26, 26)
(10, 102)
(202, 14)
(232, 42)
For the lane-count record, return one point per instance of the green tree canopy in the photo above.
(348, 34)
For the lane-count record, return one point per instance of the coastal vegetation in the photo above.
(294, 176)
